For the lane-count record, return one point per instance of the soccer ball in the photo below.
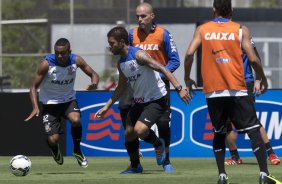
(20, 165)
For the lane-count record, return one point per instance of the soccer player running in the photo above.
(253, 86)
(222, 71)
(137, 68)
(158, 42)
(55, 77)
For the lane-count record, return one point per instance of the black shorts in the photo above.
(54, 114)
(165, 118)
(250, 89)
(148, 113)
(239, 110)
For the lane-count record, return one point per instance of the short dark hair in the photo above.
(62, 42)
(119, 33)
(223, 7)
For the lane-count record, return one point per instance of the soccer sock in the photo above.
(259, 150)
(167, 157)
(219, 151)
(268, 148)
(133, 152)
(153, 139)
(164, 131)
(76, 133)
(54, 148)
(234, 154)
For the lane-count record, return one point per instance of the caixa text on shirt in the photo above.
(62, 82)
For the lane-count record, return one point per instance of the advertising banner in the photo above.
(191, 127)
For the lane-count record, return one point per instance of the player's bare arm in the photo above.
(40, 73)
(189, 58)
(88, 71)
(122, 83)
(143, 58)
(253, 59)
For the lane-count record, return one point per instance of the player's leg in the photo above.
(131, 139)
(150, 114)
(218, 111)
(132, 147)
(231, 143)
(53, 130)
(53, 143)
(163, 125)
(272, 157)
(245, 119)
(73, 115)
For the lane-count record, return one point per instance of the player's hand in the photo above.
(257, 87)
(189, 86)
(92, 86)
(101, 112)
(185, 96)
(264, 85)
(35, 112)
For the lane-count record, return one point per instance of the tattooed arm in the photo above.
(143, 58)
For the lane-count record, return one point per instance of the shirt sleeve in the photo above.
(171, 51)
(130, 37)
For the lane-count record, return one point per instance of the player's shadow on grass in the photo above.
(250, 163)
(54, 173)
(152, 171)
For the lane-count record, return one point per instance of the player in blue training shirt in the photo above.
(252, 85)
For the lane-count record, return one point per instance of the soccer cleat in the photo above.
(232, 161)
(132, 170)
(222, 179)
(58, 157)
(81, 160)
(168, 167)
(268, 180)
(274, 159)
(160, 153)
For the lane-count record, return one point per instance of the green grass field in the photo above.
(105, 170)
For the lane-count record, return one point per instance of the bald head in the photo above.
(145, 16)
(145, 7)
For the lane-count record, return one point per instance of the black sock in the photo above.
(133, 152)
(54, 147)
(259, 150)
(167, 157)
(153, 139)
(219, 151)
(268, 148)
(234, 154)
(76, 133)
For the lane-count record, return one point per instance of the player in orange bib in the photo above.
(158, 42)
(224, 86)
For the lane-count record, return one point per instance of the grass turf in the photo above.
(105, 170)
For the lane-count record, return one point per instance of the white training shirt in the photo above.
(58, 84)
(146, 83)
